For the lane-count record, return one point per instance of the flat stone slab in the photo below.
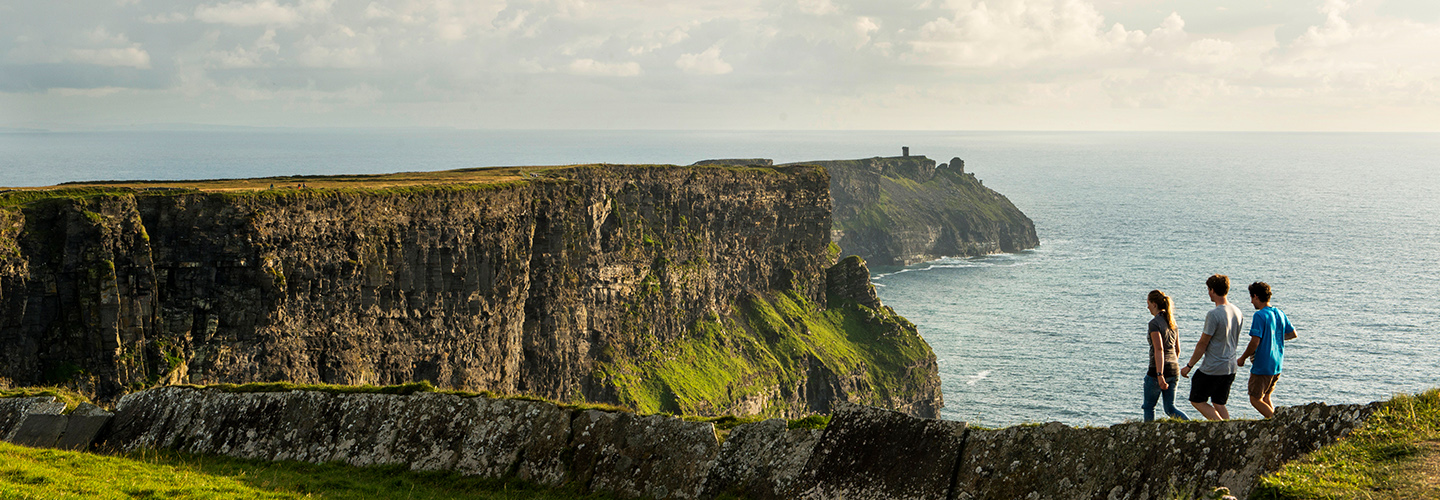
(12, 410)
(39, 430)
(81, 430)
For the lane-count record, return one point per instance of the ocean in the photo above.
(1345, 227)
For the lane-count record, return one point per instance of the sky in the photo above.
(1299, 65)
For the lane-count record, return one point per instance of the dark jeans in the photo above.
(1153, 392)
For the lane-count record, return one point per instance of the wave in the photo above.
(976, 378)
(986, 261)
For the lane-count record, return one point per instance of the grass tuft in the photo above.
(61, 394)
(1380, 460)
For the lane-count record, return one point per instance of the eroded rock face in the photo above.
(867, 453)
(559, 286)
(765, 460)
(903, 210)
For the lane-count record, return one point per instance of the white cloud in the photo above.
(1016, 33)
(704, 63)
(654, 41)
(260, 13)
(128, 56)
(816, 7)
(591, 67)
(165, 18)
(95, 92)
(243, 57)
(864, 26)
(938, 57)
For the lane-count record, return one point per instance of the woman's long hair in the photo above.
(1163, 303)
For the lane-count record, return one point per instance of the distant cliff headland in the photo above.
(697, 290)
(904, 210)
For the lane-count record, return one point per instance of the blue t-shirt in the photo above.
(1271, 326)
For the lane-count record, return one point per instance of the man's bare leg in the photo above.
(1263, 406)
(1206, 410)
(1224, 413)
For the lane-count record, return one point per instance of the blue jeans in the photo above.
(1153, 392)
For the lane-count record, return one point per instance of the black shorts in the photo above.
(1215, 388)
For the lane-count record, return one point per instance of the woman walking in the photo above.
(1164, 354)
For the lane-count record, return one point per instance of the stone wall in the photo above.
(864, 453)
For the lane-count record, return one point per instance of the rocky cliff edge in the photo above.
(697, 290)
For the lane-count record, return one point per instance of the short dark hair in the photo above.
(1260, 290)
(1218, 283)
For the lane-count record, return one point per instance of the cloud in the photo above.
(260, 13)
(95, 92)
(817, 7)
(134, 57)
(165, 18)
(937, 58)
(704, 63)
(1017, 33)
(243, 57)
(591, 67)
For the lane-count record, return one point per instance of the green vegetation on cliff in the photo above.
(1395, 455)
(781, 340)
(40, 473)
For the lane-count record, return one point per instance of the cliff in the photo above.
(863, 453)
(699, 290)
(903, 210)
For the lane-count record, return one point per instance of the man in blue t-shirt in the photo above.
(1269, 329)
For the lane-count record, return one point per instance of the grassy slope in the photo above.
(37, 473)
(1393, 456)
(763, 346)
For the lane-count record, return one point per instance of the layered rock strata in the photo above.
(678, 289)
(863, 453)
(902, 210)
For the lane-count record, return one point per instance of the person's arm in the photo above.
(1249, 350)
(1158, 352)
(1195, 358)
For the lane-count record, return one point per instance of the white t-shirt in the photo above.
(1222, 324)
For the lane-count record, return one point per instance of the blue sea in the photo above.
(1345, 227)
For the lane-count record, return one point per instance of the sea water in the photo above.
(1345, 227)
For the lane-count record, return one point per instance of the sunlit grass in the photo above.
(43, 473)
(1381, 460)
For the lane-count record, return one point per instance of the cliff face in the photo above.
(903, 210)
(697, 290)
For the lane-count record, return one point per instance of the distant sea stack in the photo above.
(695, 290)
(903, 210)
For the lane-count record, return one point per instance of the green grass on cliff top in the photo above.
(1395, 455)
(43, 473)
(460, 179)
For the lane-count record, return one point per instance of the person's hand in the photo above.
(1163, 385)
(1240, 362)
(1185, 372)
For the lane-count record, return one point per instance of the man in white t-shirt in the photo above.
(1210, 389)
